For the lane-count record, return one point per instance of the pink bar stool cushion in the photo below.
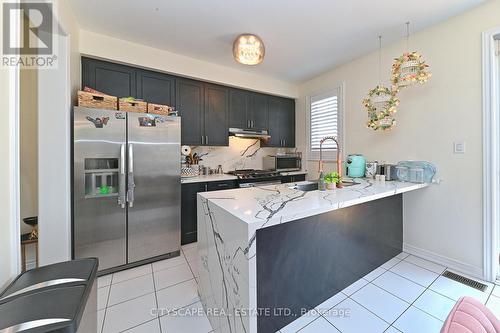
(470, 316)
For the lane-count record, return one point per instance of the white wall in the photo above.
(444, 221)
(56, 93)
(106, 47)
(9, 256)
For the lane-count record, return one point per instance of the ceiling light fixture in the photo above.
(248, 49)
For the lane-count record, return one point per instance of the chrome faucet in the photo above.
(321, 185)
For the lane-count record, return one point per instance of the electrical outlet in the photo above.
(459, 147)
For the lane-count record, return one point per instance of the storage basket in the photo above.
(132, 106)
(99, 101)
(159, 109)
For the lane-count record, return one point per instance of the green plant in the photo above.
(332, 178)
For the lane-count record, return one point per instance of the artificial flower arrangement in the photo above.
(408, 69)
(381, 104)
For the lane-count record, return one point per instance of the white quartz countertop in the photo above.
(280, 203)
(208, 178)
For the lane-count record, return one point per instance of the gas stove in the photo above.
(252, 177)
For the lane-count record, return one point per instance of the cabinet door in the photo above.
(238, 106)
(258, 111)
(216, 116)
(274, 127)
(189, 103)
(189, 215)
(109, 78)
(222, 185)
(287, 121)
(155, 87)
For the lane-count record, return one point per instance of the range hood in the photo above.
(249, 133)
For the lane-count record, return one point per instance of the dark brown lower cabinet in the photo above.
(189, 213)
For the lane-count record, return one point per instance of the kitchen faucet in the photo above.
(321, 183)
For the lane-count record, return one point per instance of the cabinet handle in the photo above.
(206, 139)
(251, 123)
(206, 187)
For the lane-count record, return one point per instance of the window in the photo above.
(325, 120)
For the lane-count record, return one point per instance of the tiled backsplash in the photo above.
(241, 154)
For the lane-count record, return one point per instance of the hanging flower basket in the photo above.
(409, 69)
(381, 104)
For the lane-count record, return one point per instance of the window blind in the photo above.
(324, 122)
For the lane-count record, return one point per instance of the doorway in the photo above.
(491, 154)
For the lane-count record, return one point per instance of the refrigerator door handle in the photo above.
(131, 183)
(121, 182)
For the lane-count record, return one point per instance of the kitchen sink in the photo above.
(314, 186)
(305, 187)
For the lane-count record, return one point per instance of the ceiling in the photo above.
(303, 38)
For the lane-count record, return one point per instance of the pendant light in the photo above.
(248, 49)
(381, 103)
(410, 68)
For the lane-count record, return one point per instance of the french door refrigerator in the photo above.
(126, 187)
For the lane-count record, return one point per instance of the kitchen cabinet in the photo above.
(204, 111)
(293, 179)
(248, 110)
(189, 212)
(109, 78)
(155, 87)
(207, 110)
(189, 206)
(189, 98)
(281, 123)
(215, 129)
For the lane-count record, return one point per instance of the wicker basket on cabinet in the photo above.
(96, 100)
(127, 105)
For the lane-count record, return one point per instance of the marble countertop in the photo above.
(269, 205)
(208, 178)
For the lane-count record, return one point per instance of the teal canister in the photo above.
(356, 164)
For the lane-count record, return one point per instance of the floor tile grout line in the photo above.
(180, 308)
(404, 277)
(135, 326)
(411, 304)
(156, 299)
(130, 299)
(106, 307)
(409, 262)
(177, 283)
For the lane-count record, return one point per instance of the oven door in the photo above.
(288, 163)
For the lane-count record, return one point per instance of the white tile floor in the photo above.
(407, 294)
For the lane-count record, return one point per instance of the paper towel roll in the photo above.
(185, 150)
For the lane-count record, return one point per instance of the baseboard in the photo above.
(467, 269)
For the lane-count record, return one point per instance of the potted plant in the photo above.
(331, 180)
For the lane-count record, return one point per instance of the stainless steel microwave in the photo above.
(284, 162)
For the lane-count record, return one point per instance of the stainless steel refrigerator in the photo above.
(126, 187)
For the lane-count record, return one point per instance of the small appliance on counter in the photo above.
(371, 169)
(356, 164)
(415, 171)
(390, 172)
(283, 162)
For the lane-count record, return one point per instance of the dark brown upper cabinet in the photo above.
(156, 87)
(281, 122)
(190, 104)
(248, 110)
(207, 110)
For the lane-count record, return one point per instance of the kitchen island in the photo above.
(270, 253)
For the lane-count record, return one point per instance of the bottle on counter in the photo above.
(321, 182)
